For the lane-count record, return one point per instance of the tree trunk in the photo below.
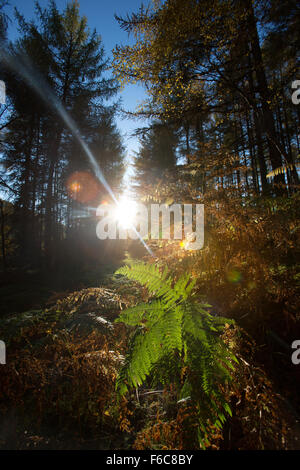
(268, 122)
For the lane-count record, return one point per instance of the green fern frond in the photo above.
(148, 275)
(177, 334)
(134, 316)
(157, 281)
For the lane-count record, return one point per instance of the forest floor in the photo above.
(22, 290)
(44, 345)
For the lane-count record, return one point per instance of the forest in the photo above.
(116, 333)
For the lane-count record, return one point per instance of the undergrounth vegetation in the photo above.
(58, 389)
(115, 332)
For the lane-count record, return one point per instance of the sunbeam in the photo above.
(24, 68)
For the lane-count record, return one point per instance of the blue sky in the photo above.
(100, 15)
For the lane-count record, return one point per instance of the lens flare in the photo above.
(125, 213)
(21, 65)
(75, 187)
(83, 187)
(234, 276)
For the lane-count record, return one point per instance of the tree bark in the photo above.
(268, 123)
